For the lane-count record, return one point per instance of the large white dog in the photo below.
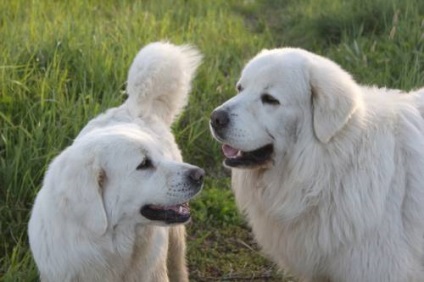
(108, 202)
(329, 173)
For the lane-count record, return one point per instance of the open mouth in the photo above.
(168, 214)
(238, 158)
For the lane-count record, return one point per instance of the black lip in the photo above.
(167, 216)
(253, 158)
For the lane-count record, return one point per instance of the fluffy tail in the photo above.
(159, 80)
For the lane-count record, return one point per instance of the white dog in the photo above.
(108, 200)
(329, 173)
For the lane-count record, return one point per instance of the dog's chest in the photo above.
(292, 245)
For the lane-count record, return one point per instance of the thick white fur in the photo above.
(343, 199)
(86, 223)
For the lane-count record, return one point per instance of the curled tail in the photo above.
(159, 80)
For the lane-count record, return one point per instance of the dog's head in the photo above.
(282, 94)
(119, 174)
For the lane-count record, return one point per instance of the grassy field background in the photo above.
(63, 62)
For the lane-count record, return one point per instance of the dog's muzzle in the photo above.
(179, 213)
(219, 122)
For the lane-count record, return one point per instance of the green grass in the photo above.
(63, 62)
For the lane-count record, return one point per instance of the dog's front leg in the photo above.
(177, 269)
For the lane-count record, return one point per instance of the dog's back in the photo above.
(419, 94)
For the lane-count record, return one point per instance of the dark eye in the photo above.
(239, 88)
(268, 99)
(145, 164)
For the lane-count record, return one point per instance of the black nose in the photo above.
(196, 175)
(219, 119)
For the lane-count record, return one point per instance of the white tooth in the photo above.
(180, 210)
(239, 153)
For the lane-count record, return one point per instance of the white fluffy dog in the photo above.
(328, 172)
(108, 201)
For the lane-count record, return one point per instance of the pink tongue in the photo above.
(229, 151)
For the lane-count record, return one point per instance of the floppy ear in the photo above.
(81, 197)
(335, 98)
